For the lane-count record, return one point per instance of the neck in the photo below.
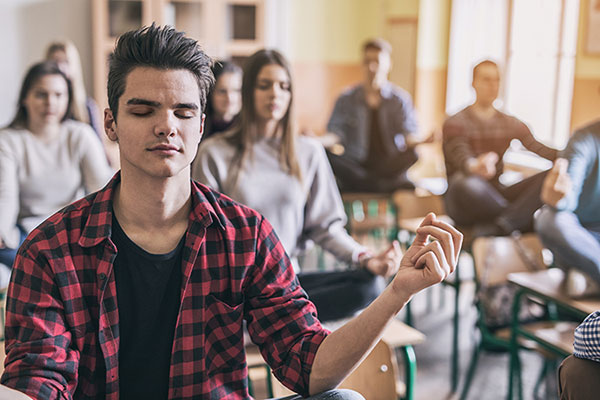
(483, 110)
(373, 86)
(152, 205)
(44, 131)
(268, 129)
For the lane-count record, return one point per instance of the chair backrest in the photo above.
(375, 377)
(496, 257)
(410, 205)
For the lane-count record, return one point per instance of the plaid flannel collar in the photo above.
(98, 227)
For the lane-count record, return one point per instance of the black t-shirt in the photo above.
(377, 151)
(148, 296)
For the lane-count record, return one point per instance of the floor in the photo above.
(433, 357)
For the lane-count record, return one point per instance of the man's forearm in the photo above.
(344, 349)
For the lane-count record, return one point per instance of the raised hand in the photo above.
(484, 165)
(557, 183)
(387, 262)
(428, 262)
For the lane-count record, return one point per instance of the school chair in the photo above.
(494, 259)
(376, 378)
(412, 207)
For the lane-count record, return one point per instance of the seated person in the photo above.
(156, 261)
(65, 55)
(569, 223)
(265, 165)
(224, 100)
(578, 373)
(376, 123)
(475, 140)
(47, 160)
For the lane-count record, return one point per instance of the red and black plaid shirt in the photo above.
(62, 319)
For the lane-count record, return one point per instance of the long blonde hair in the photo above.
(245, 133)
(79, 99)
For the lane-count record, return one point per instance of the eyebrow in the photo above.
(143, 102)
(269, 80)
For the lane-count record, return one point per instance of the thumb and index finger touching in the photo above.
(450, 238)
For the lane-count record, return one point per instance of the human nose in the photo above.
(166, 125)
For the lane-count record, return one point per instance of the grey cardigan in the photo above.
(38, 178)
(300, 211)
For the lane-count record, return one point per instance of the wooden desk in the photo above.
(554, 336)
(549, 285)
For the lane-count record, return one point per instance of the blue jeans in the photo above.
(573, 245)
(7, 255)
(337, 394)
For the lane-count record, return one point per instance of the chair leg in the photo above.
(410, 368)
(250, 386)
(540, 379)
(429, 294)
(515, 363)
(455, 353)
(471, 371)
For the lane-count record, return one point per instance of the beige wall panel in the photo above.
(316, 87)
(586, 102)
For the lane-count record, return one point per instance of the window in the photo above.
(534, 42)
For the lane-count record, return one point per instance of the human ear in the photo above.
(202, 127)
(109, 125)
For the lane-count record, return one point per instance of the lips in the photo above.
(164, 147)
(274, 107)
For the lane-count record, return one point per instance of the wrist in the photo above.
(398, 295)
(363, 259)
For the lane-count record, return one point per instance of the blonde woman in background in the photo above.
(65, 55)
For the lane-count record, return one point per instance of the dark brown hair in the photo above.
(156, 47)
(377, 44)
(34, 74)
(246, 133)
(481, 64)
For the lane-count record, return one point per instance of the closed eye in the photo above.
(185, 114)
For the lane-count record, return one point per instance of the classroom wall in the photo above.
(586, 85)
(325, 39)
(432, 64)
(26, 28)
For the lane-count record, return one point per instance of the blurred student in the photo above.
(224, 100)
(65, 55)
(376, 124)
(569, 223)
(475, 140)
(47, 160)
(265, 165)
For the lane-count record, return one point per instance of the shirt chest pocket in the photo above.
(224, 336)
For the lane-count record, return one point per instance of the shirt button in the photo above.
(102, 276)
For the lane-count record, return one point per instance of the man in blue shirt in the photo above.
(375, 122)
(569, 223)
